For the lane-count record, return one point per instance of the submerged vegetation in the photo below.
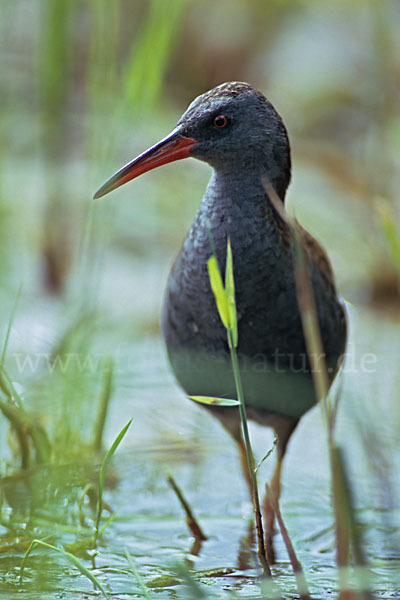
(84, 87)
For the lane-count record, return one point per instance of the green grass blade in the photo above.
(221, 297)
(136, 573)
(213, 401)
(70, 557)
(218, 290)
(102, 473)
(391, 233)
(230, 293)
(149, 60)
(9, 390)
(10, 322)
(105, 397)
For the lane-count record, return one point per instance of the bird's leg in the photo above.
(230, 420)
(284, 428)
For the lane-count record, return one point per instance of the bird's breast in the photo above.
(263, 275)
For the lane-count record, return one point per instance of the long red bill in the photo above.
(173, 147)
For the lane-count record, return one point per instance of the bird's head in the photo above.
(232, 127)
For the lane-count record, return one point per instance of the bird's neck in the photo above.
(243, 184)
(237, 206)
(240, 191)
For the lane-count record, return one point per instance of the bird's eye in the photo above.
(220, 121)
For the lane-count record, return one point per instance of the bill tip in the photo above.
(100, 192)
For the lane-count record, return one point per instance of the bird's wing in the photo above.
(319, 258)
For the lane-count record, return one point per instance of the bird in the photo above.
(238, 132)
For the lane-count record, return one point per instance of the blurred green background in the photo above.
(86, 86)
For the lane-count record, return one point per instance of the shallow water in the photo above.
(171, 433)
